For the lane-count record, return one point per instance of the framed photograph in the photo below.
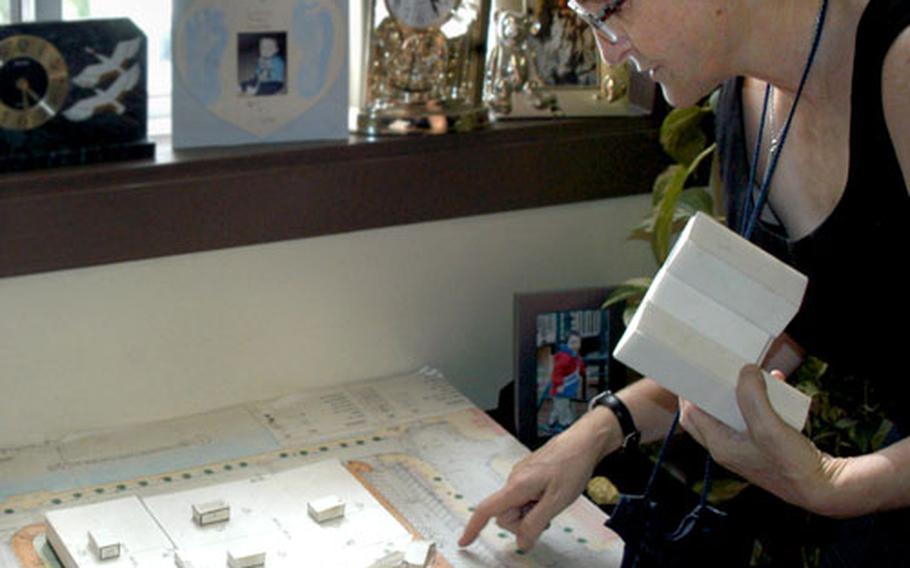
(563, 60)
(564, 342)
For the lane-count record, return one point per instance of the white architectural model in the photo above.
(716, 304)
(269, 526)
(419, 554)
(210, 513)
(103, 544)
(326, 509)
(245, 557)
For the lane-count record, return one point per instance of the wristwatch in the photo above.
(630, 434)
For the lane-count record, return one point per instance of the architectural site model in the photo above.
(316, 515)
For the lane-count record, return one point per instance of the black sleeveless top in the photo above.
(857, 307)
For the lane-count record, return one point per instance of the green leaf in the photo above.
(632, 289)
(694, 199)
(845, 423)
(663, 222)
(681, 135)
(808, 388)
(643, 230)
(722, 489)
(659, 188)
(629, 312)
(878, 439)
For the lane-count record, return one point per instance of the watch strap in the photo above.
(630, 433)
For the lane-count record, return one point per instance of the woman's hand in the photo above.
(547, 481)
(770, 453)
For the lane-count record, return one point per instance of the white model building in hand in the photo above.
(716, 305)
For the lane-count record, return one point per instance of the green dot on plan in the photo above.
(77, 495)
(121, 487)
(568, 529)
(228, 467)
(324, 449)
(283, 454)
(502, 535)
(144, 483)
(360, 442)
(208, 472)
(459, 496)
(187, 476)
(304, 453)
(56, 501)
(243, 464)
(582, 541)
(99, 490)
(167, 479)
(437, 478)
(9, 511)
(377, 439)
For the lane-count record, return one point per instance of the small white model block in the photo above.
(211, 513)
(715, 306)
(185, 559)
(419, 554)
(326, 508)
(103, 544)
(245, 557)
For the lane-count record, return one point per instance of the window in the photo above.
(154, 18)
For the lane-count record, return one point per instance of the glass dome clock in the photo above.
(422, 66)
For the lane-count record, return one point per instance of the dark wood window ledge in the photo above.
(188, 201)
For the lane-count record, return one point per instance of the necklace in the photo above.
(752, 211)
(772, 122)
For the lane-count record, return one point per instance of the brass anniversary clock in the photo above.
(423, 66)
(71, 93)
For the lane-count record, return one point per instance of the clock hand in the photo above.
(433, 4)
(42, 104)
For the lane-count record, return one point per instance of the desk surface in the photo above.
(426, 452)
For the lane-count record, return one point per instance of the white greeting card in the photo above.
(250, 71)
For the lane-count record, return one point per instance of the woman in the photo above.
(838, 202)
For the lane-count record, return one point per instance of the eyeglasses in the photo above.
(599, 20)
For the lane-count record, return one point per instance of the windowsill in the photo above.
(188, 201)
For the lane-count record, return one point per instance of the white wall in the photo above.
(138, 341)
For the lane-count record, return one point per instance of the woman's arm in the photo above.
(896, 99)
(781, 460)
(550, 479)
(866, 484)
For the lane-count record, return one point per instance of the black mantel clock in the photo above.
(72, 93)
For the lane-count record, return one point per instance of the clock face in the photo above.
(34, 82)
(421, 14)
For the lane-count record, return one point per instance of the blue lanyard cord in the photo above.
(661, 454)
(751, 217)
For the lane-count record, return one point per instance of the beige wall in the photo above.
(137, 341)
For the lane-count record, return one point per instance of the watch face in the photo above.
(421, 14)
(34, 82)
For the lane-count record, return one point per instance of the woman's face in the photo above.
(679, 43)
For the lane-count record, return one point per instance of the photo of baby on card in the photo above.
(262, 63)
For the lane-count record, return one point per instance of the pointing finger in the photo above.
(508, 498)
